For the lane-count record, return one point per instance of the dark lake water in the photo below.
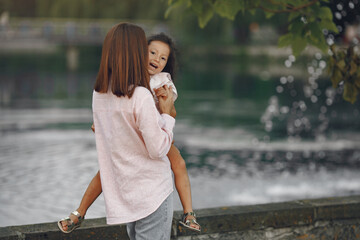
(250, 129)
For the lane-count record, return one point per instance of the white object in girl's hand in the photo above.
(160, 79)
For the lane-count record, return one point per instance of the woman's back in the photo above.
(132, 141)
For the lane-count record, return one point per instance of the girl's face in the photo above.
(158, 56)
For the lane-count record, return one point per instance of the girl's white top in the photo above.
(161, 79)
(132, 141)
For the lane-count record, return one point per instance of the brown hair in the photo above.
(124, 61)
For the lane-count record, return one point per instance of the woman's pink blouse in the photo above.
(132, 140)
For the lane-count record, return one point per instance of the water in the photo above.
(44, 172)
(48, 153)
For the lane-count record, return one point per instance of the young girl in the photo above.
(162, 62)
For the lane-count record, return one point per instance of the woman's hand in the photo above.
(165, 96)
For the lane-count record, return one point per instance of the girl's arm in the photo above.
(173, 112)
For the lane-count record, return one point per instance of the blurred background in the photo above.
(255, 124)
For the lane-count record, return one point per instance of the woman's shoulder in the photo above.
(141, 92)
(142, 96)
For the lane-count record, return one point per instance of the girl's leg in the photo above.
(182, 182)
(92, 192)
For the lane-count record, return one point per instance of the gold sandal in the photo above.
(187, 222)
(71, 226)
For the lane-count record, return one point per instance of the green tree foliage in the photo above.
(307, 19)
(344, 69)
(121, 9)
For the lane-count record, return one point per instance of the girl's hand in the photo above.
(93, 128)
(166, 102)
(160, 92)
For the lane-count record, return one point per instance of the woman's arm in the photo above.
(156, 130)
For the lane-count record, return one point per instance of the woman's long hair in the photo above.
(124, 61)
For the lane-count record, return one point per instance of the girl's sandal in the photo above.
(187, 222)
(71, 226)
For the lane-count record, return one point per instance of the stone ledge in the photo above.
(214, 221)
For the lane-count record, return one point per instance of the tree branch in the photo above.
(277, 3)
(289, 8)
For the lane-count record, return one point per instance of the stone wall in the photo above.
(327, 218)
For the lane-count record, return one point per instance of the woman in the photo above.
(132, 137)
(161, 59)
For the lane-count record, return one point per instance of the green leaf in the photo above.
(285, 40)
(251, 4)
(341, 65)
(197, 7)
(315, 30)
(350, 92)
(353, 68)
(350, 53)
(316, 37)
(252, 11)
(295, 2)
(330, 65)
(269, 14)
(329, 25)
(318, 42)
(340, 55)
(173, 6)
(293, 15)
(279, 1)
(325, 13)
(297, 26)
(205, 16)
(336, 78)
(298, 45)
(357, 82)
(228, 8)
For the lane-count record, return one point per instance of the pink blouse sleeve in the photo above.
(156, 129)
